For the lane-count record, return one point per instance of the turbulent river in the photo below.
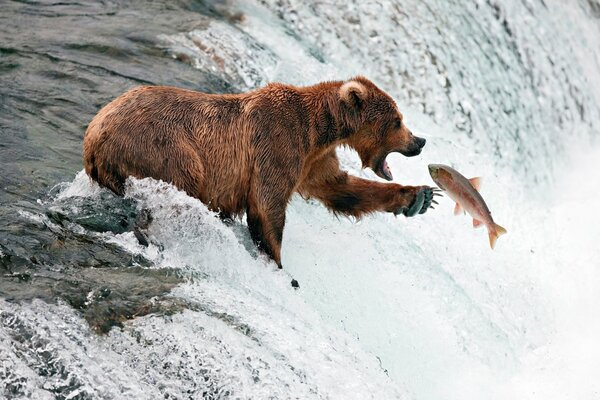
(388, 308)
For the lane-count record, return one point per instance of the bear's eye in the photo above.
(397, 123)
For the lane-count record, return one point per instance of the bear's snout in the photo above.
(415, 147)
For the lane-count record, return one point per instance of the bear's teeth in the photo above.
(387, 171)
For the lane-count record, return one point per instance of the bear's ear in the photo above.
(353, 93)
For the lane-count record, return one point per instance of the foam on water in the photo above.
(388, 308)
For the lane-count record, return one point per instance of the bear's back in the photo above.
(197, 141)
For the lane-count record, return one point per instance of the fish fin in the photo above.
(495, 232)
(476, 223)
(476, 182)
(457, 209)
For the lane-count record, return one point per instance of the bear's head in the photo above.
(376, 125)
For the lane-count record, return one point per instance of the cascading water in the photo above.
(387, 307)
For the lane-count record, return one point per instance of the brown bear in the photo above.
(250, 152)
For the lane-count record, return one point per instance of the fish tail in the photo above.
(495, 231)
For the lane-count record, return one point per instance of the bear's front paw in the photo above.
(422, 198)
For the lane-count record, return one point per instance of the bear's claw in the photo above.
(428, 199)
(420, 204)
(417, 205)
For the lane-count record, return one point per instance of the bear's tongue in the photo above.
(385, 168)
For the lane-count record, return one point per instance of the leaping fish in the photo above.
(465, 192)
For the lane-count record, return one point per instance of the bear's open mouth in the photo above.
(382, 169)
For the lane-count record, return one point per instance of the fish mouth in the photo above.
(433, 170)
(382, 168)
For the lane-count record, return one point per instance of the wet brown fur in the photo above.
(248, 153)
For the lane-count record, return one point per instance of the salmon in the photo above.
(465, 192)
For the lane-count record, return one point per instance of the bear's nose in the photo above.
(421, 142)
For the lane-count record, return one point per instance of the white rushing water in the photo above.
(388, 307)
